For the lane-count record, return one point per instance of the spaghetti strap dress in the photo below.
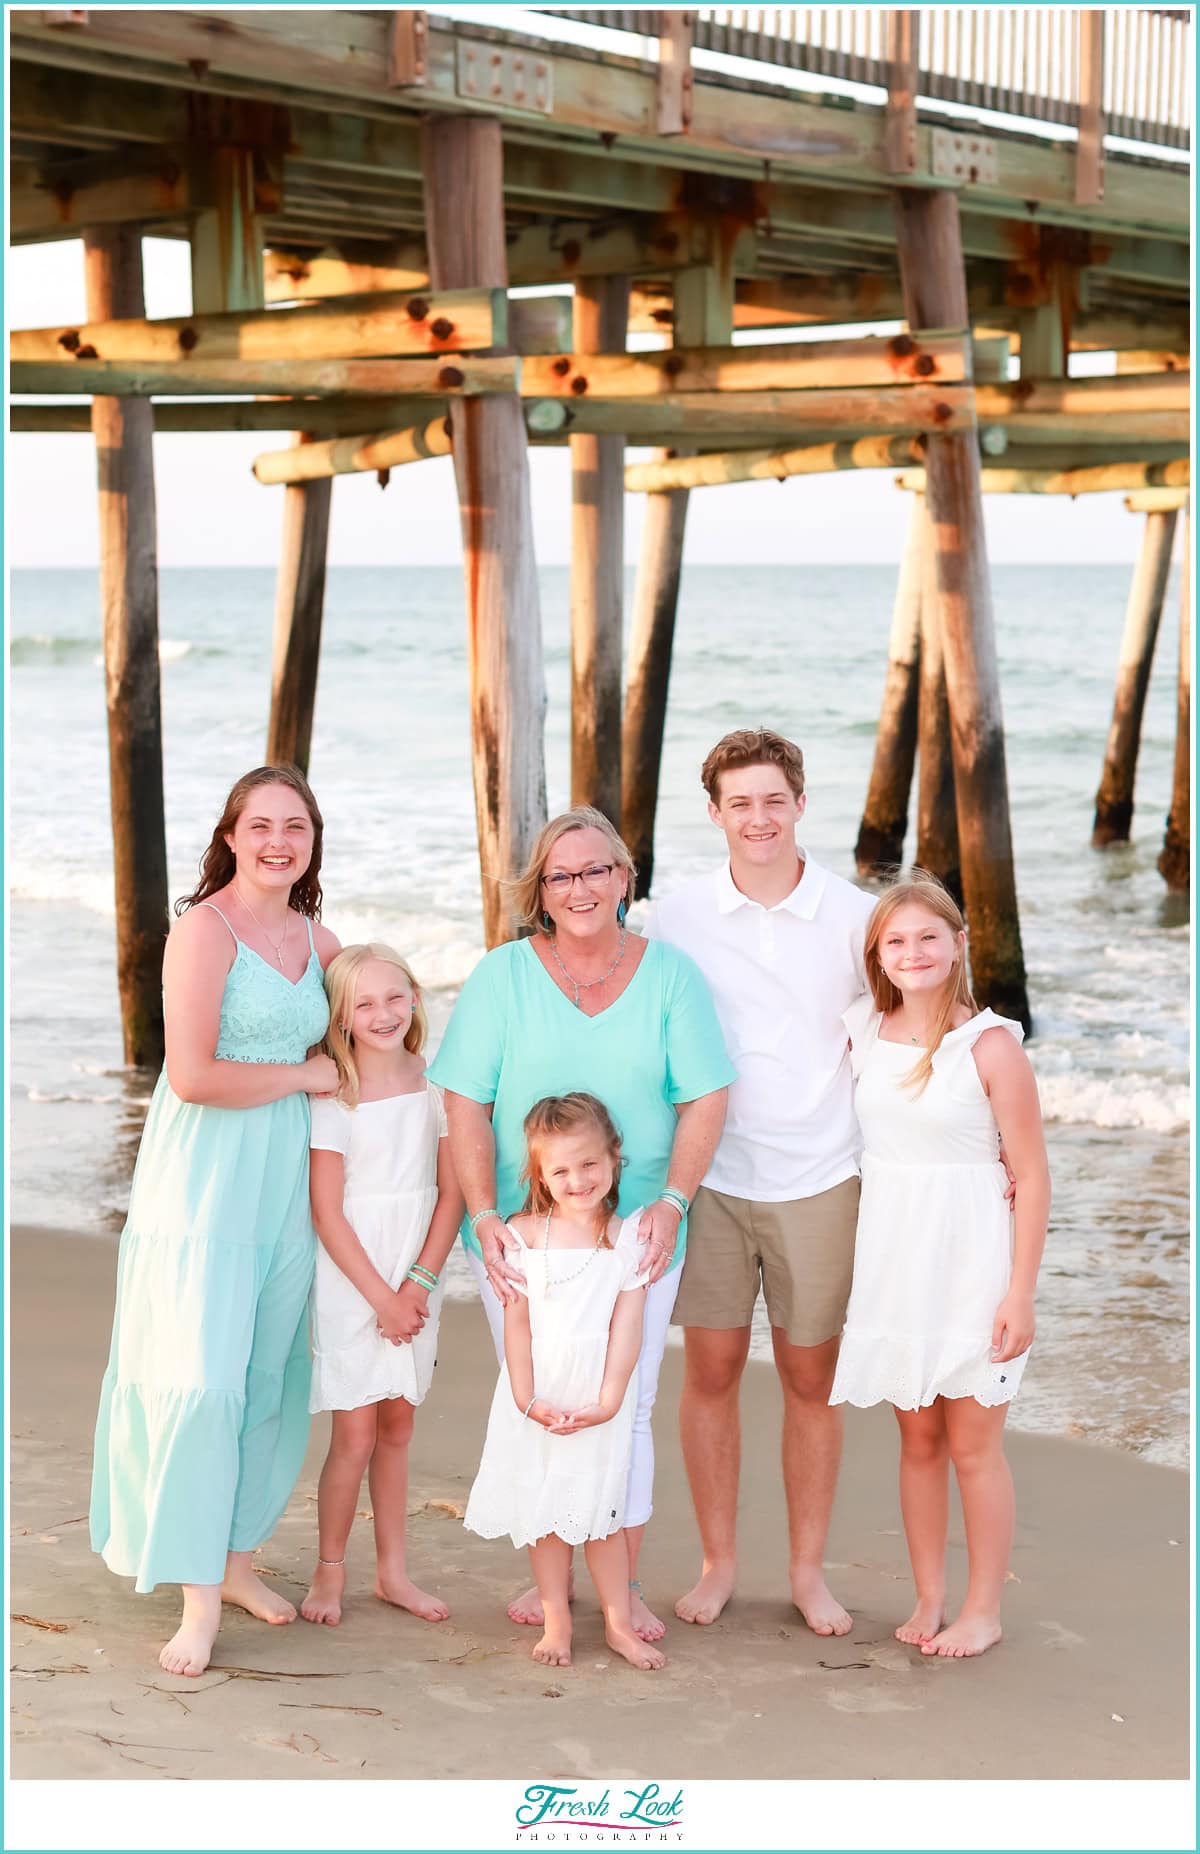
(203, 1417)
(933, 1252)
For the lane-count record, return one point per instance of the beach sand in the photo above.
(1096, 1616)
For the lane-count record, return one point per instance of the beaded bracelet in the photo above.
(424, 1277)
(529, 1405)
(477, 1219)
(676, 1199)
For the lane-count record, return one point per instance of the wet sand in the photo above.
(1096, 1617)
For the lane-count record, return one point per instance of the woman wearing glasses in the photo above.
(586, 1003)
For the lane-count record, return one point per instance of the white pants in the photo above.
(660, 1300)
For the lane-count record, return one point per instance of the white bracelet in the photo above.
(529, 1405)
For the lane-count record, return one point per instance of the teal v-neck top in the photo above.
(514, 1037)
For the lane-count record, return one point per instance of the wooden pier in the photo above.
(360, 191)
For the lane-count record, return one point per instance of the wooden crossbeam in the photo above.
(928, 358)
(349, 328)
(445, 376)
(716, 467)
(1092, 479)
(306, 463)
(1157, 501)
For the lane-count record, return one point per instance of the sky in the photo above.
(211, 508)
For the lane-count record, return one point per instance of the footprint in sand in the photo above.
(867, 1699)
(448, 1696)
(1059, 1637)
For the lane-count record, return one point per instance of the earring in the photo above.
(547, 923)
(621, 912)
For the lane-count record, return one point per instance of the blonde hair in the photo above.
(341, 981)
(568, 1113)
(922, 890)
(525, 889)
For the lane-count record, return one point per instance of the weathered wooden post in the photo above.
(933, 280)
(937, 817)
(124, 433)
(703, 303)
(1114, 799)
(601, 319)
(462, 162)
(1174, 864)
(879, 850)
(299, 610)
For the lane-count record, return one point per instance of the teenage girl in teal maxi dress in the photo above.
(203, 1414)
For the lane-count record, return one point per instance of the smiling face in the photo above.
(384, 1002)
(919, 952)
(272, 840)
(580, 884)
(758, 811)
(576, 1169)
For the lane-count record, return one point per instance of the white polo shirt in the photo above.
(781, 978)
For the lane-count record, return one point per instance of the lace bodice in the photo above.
(264, 1017)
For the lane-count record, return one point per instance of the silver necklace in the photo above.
(277, 950)
(581, 985)
(563, 1279)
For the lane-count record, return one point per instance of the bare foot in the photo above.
(817, 1603)
(324, 1600)
(245, 1588)
(645, 1622)
(637, 1652)
(190, 1648)
(968, 1635)
(391, 1587)
(554, 1648)
(706, 1599)
(924, 1623)
(527, 1608)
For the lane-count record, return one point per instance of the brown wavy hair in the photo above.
(753, 746)
(923, 891)
(217, 865)
(568, 1113)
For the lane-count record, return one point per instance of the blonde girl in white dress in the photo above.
(556, 1460)
(941, 1312)
(386, 1208)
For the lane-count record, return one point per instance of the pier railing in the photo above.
(1022, 61)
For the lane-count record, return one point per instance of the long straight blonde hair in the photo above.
(341, 982)
(922, 890)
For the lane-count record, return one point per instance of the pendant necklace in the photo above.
(582, 985)
(563, 1279)
(277, 950)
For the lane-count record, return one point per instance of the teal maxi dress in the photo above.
(203, 1417)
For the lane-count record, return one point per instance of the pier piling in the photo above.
(299, 610)
(937, 817)
(879, 850)
(601, 318)
(124, 434)
(462, 162)
(1114, 799)
(1174, 864)
(929, 243)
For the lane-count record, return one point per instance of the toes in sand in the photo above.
(922, 1625)
(969, 1635)
(247, 1590)
(707, 1598)
(818, 1605)
(188, 1651)
(554, 1649)
(634, 1650)
(406, 1595)
(645, 1622)
(324, 1600)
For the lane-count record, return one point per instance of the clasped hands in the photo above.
(569, 1422)
(403, 1314)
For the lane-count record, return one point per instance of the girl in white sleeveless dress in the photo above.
(556, 1460)
(386, 1208)
(941, 1311)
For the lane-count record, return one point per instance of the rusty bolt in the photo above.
(579, 384)
(417, 309)
(673, 364)
(442, 329)
(69, 341)
(662, 315)
(902, 346)
(571, 251)
(188, 339)
(86, 353)
(942, 412)
(561, 366)
(450, 376)
(925, 365)
(667, 241)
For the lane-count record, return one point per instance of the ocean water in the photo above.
(801, 649)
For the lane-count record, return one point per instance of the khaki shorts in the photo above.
(802, 1251)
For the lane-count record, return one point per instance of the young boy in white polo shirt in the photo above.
(780, 941)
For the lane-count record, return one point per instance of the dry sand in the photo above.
(1096, 1617)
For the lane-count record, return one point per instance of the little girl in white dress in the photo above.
(386, 1208)
(556, 1459)
(941, 1311)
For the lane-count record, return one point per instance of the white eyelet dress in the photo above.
(531, 1483)
(933, 1253)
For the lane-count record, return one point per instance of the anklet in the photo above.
(333, 1563)
(635, 1583)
